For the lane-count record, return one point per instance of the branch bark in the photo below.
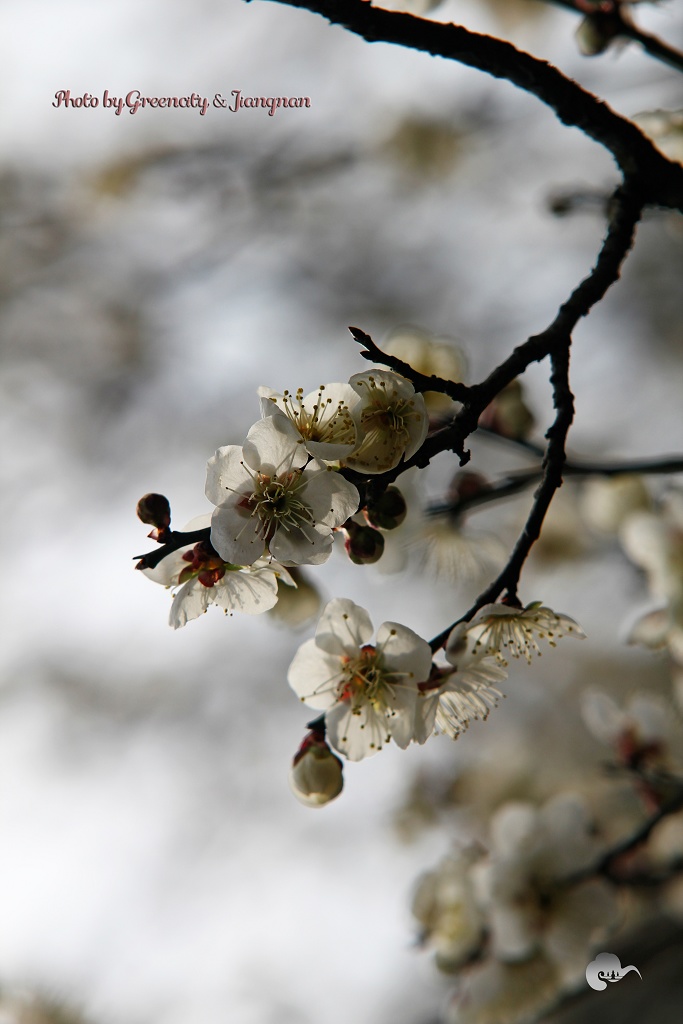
(661, 179)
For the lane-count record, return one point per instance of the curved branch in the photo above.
(661, 179)
(555, 341)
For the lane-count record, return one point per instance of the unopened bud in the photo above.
(154, 510)
(596, 32)
(607, 503)
(364, 545)
(466, 485)
(296, 606)
(317, 775)
(388, 511)
(508, 414)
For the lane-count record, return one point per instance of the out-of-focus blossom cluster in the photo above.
(518, 916)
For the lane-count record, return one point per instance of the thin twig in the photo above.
(555, 341)
(662, 179)
(420, 381)
(176, 539)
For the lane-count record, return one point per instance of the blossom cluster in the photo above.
(392, 689)
(279, 499)
(281, 495)
(519, 917)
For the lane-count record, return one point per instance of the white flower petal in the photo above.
(315, 676)
(343, 628)
(331, 498)
(357, 735)
(234, 535)
(307, 546)
(189, 603)
(249, 591)
(274, 447)
(226, 476)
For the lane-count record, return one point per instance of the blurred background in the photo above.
(156, 268)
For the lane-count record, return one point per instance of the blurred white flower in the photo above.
(444, 904)
(665, 128)
(606, 502)
(270, 500)
(500, 629)
(502, 993)
(531, 910)
(432, 356)
(654, 541)
(458, 553)
(296, 605)
(508, 414)
(644, 720)
(326, 419)
(393, 421)
(368, 693)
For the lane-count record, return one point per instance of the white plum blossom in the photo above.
(643, 729)
(452, 923)
(459, 554)
(326, 420)
(500, 629)
(654, 541)
(271, 498)
(368, 692)
(468, 692)
(607, 502)
(393, 420)
(200, 578)
(531, 910)
(506, 993)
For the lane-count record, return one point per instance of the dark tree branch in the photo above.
(661, 179)
(420, 381)
(555, 341)
(605, 864)
(176, 539)
(513, 483)
(654, 46)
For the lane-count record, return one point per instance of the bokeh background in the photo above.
(154, 270)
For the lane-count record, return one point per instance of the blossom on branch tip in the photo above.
(393, 420)
(326, 419)
(368, 692)
(500, 629)
(202, 578)
(272, 498)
